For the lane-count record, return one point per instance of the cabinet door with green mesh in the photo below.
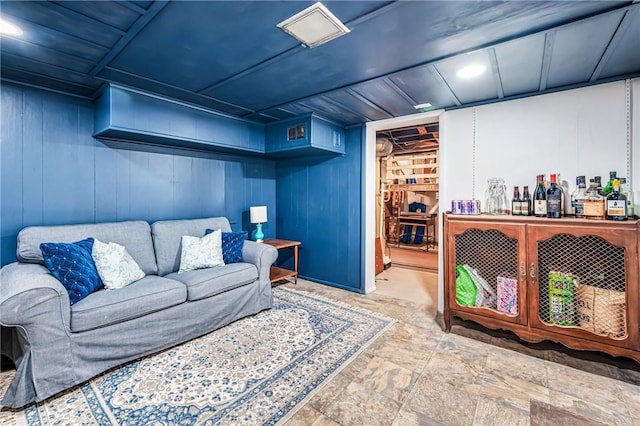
(580, 279)
(488, 262)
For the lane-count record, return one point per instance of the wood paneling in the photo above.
(318, 202)
(11, 147)
(68, 184)
(55, 172)
(32, 172)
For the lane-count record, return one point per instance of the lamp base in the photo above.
(258, 236)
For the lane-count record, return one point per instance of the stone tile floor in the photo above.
(415, 374)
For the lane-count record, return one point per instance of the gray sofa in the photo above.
(56, 346)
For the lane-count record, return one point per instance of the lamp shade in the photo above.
(258, 214)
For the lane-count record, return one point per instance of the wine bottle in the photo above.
(540, 198)
(616, 203)
(554, 199)
(516, 208)
(525, 202)
(566, 196)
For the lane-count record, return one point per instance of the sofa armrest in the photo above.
(37, 306)
(262, 256)
(31, 296)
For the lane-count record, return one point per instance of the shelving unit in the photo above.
(413, 172)
(572, 281)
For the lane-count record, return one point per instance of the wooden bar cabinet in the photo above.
(571, 281)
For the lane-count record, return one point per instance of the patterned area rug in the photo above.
(256, 371)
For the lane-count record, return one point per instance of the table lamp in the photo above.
(258, 216)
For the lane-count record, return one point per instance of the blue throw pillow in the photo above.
(232, 243)
(72, 265)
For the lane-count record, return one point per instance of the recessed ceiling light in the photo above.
(471, 71)
(424, 105)
(314, 26)
(8, 28)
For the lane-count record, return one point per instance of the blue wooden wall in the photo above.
(319, 204)
(54, 172)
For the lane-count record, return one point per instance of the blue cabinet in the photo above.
(304, 135)
(130, 115)
(125, 114)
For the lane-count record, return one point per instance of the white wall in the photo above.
(635, 145)
(574, 132)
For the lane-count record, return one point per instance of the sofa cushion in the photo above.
(167, 236)
(204, 283)
(134, 235)
(72, 265)
(232, 243)
(199, 253)
(106, 307)
(115, 265)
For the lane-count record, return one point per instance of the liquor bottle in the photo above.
(554, 199)
(573, 196)
(616, 203)
(516, 207)
(593, 202)
(609, 186)
(629, 194)
(525, 202)
(540, 198)
(598, 181)
(577, 197)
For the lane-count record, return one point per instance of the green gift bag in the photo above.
(562, 308)
(465, 287)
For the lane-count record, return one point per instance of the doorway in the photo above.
(407, 198)
(370, 189)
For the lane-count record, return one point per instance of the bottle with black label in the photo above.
(516, 207)
(525, 202)
(554, 199)
(540, 198)
(616, 203)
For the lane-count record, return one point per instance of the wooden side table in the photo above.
(278, 273)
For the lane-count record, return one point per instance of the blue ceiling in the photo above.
(231, 57)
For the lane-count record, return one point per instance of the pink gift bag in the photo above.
(507, 295)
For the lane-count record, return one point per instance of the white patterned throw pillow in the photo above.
(198, 253)
(116, 267)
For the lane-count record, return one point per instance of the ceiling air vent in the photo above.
(314, 26)
(296, 132)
